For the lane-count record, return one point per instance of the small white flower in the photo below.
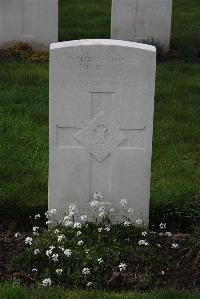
(144, 233)
(49, 252)
(102, 209)
(158, 245)
(102, 214)
(59, 271)
(78, 233)
(162, 272)
(36, 251)
(100, 260)
(162, 225)
(34, 270)
(37, 216)
(77, 225)
(100, 229)
(73, 208)
(68, 223)
(143, 242)
(28, 241)
(61, 237)
(48, 222)
(55, 257)
(175, 245)
(138, 221)
(84, 217)
(67, 252)
(80, 242)
(161, 234)
(122, 266)
(131, 210)
(51, 247)
(94, 203)
(87, 251)
(86, 271)
(56, 231)
(71, 214)
(52, 211)
(89, 283)
(17, 235)
(46, 282)
(107, 229)
(98, 196)
(169, 234)
(126, 223)
(123, 202)
(35, 230)
(61, 248)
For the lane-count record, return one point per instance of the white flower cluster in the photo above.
(58, 251)
(86, 271)
(46, 282)
(123, 202)
(67, 252)
(35, 230)
(98, 197)
(72, 210)
(28, 241)
(122, 267)
(143, 242)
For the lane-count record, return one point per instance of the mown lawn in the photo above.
(15, 291)
(176, 144)
(91, 19)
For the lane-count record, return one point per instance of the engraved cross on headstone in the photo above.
(100, 137)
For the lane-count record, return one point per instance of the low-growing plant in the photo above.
(98, 254)
(22, 52)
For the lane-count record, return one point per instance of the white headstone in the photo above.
(31, 21)
(142, 20)
(101, 123)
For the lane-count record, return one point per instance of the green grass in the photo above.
(15, 291)
(91, 19)
(176, 152)
(84, 19)
(186, 29)
(24, 138)
(24, 116)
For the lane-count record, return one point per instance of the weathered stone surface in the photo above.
(142, 20)
(32, 21)
(101, 123)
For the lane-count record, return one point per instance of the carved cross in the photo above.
(100, 137)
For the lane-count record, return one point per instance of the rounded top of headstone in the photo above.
(103, 42)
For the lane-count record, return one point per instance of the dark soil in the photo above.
(9, 247)
(182, 274)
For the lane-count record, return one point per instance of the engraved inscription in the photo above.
(96, 72)
(100, 137)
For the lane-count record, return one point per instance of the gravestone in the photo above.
(101, 123)
(142, 20)
(31, 21)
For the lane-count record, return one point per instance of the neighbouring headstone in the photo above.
(31, 21)
(142, 21)
(101, 123)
